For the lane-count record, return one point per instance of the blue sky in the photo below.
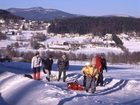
(84, 7)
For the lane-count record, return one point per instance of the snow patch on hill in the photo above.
(84, 44)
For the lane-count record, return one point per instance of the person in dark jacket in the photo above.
(63, 65)
(103, 67)
(48, 62)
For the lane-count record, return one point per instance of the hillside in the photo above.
(96, 25)
(7, 15)
(39, 13)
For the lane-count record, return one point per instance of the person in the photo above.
(104, 66)
(84, 75)
(63, 65)
(91, 73)
(36, 64)
(98, 63)
(48, 62)
(104, 63)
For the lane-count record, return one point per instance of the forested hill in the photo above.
(96, 25)
(7, 15)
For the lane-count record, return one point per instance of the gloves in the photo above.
(89, 75)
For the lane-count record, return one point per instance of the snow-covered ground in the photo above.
(122, 87)
(5, 43)
(132, 45)
(99, 50)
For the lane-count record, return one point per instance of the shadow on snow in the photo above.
(116, 87)
(2, 101)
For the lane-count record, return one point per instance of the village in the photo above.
(24, 32)
(22, 37)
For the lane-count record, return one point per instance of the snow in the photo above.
(56, 43)
(122, 86)
(132, 45)
(99, 50)
(87, 50)
(57, 40)
(5, 43)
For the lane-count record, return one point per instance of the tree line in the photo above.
(96, 25)
(130, 58)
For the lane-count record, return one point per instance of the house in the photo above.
(59, 47)
(108, 36)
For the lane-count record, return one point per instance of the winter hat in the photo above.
(37, 53)
(87, 64)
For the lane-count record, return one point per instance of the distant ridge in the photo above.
(39, 13)
(7, 15)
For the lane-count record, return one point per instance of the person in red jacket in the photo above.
(98, 63)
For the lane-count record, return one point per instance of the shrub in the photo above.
(27, 56)
(2, 36)
(81, 57)
(34, 44)
(15, 45)
(39, 37)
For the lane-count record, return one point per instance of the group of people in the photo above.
(37, 63)
(92, 71)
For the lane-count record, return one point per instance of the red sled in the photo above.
(74, 86)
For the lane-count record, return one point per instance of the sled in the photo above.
(74, 86)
